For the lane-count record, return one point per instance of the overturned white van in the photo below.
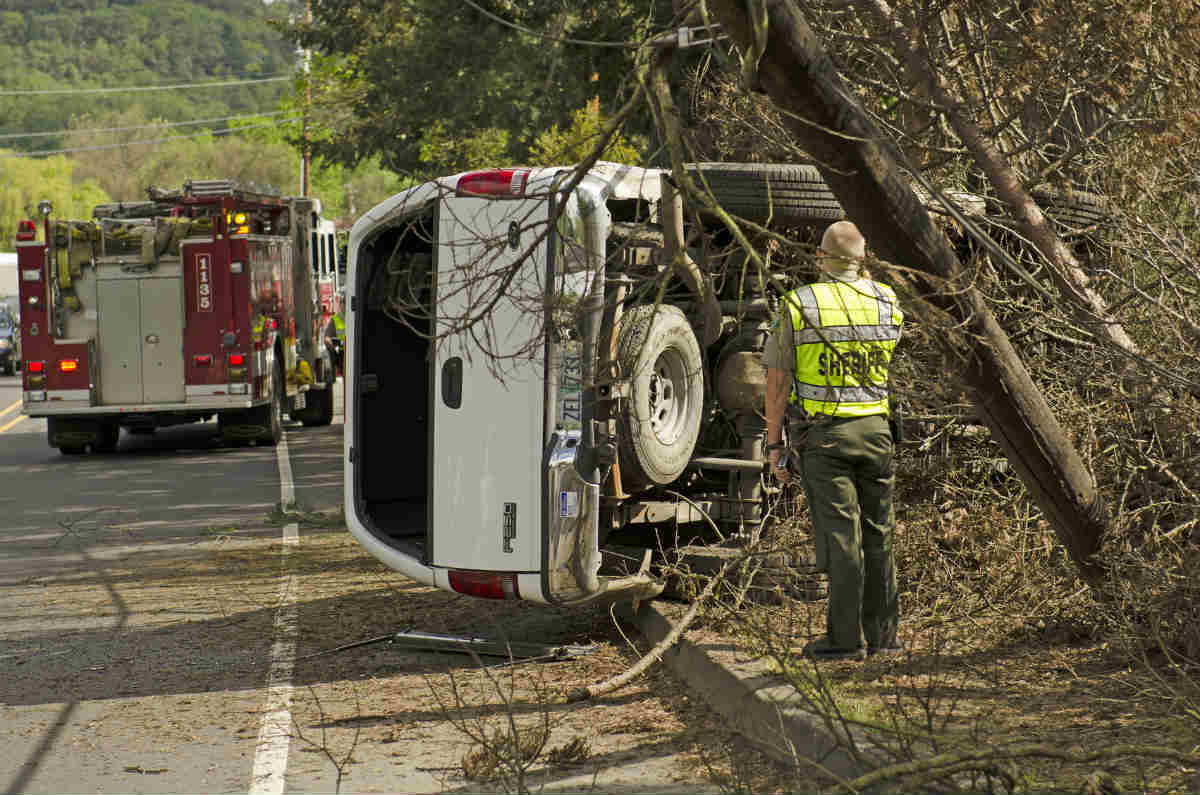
(530, 366)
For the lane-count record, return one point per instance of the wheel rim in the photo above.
(668, 397)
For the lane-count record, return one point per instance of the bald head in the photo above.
(842, 249)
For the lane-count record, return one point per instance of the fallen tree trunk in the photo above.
(828, 122)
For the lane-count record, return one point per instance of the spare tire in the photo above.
(1074, 208)
(782, 193)
(658, 426)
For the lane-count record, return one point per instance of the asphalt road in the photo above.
(161, 626)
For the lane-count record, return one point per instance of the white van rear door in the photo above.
(488, 385)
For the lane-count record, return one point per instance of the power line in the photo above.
(130, 89)
(141, 126)
(37, 152)
(625, 45)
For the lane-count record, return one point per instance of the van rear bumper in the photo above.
(571, 570)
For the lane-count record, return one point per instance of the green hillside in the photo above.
(106, 44)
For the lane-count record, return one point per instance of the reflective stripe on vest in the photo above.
(845, 333)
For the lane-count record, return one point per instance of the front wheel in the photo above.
(658, 427)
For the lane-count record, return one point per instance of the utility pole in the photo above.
(305, 149)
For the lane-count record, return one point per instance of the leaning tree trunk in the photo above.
(827, 120)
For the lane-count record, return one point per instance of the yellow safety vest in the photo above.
(845, 334)
(339, 327)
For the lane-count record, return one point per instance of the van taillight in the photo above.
(499, 183)
(485, 584)
(26, 230)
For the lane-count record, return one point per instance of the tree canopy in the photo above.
(435, 86)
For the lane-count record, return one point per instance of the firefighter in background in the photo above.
(827, 364)
(263, 307)
(335, 334)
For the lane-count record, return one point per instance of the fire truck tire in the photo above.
(110, 434)
(73, 449)
(319, 411)
(271, 417)
(658, 426)
(783, 193)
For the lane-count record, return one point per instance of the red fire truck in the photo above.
(199, 302)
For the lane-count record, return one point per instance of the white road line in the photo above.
(274, 738)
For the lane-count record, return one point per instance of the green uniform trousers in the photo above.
(848, 480)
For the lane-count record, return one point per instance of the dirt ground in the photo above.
(979, 679)
(200, 619)
(371, 700)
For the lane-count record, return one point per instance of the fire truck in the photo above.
(197, 303)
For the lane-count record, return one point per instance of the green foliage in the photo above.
(575, 143)
(26, 181)
(346, 193)
(487, 89)
(443, 152)
(144, 42)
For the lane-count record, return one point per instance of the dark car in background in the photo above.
(9, 356)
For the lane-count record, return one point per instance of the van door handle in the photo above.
(452, 381)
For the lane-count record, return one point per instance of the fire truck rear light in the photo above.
(35, 396)
(26, 230)
(203, 360)
(499, 183)
(239, 389)
(485, 584)
(31, 274)
(68, 365)
(237, 359)
(237, 373)
(37, 381)
(35, 367)
(235, 267)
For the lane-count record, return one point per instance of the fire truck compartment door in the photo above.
(141, 340)
(488, 432)
(120, 341)
(162, 340)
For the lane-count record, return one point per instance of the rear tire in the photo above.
(110, 434)
(781, 193)
(658, 427)
(319, 411)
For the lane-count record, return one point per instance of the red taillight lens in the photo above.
(35, 367)
(237, 359)
(26, 230)
(485, 584)
(202, 360)
(499, 183)
(68, 365)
